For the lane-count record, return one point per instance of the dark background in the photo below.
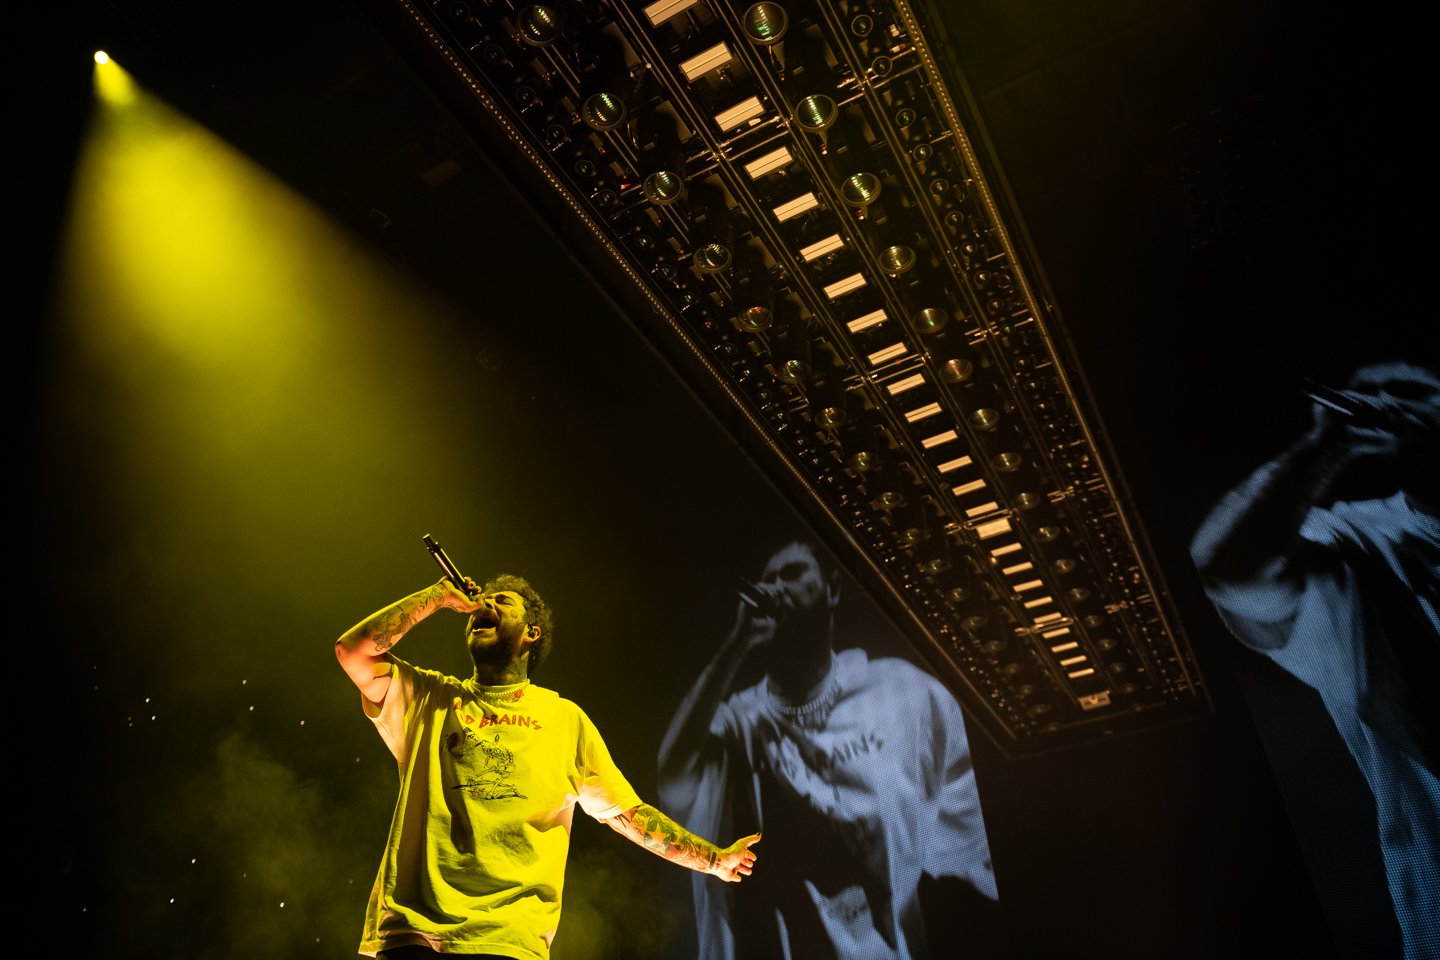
(1224, 197)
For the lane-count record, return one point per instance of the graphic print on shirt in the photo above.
(485, 769)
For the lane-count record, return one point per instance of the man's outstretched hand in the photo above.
(737, 861)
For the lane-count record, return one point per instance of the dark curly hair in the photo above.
(537, 614)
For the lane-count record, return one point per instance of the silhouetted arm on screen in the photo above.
(683, 749)
(1247, 547)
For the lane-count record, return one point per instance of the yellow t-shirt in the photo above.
(489, 777)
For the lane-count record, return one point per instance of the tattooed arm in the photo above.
(363, 649)
(664, 837)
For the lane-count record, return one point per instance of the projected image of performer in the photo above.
(491, 768)
(1327, 561)
(857, 770)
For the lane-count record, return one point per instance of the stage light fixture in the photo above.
(903, 384)
(923, 412)
(859, 190)
(821, 247)
(663, 10)
(765, 23)
(768, 163)
(539, 25)
(711, 58)
(929, 320)
(889, 484)
(844, 285)
(945, 436)
(911, 522)
(865, 325)
(791, 209)
(661, 161)
(862, 461)
(791, 349)
(867, 320)
(815, 114)
(957, 370)
(888, 354)
(526, 97)
(754, 294)
(927, 305)
(603, 110)
(751, 108)
(984, 418)
(712, 228)
(830, 401)
(605, 87)
(896, 259)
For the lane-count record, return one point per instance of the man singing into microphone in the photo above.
(1327, 561)
(490, 770)
(858, 767)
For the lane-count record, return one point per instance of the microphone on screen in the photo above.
(759, 598)
(1332, 399)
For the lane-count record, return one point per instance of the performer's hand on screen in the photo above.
(736, 861)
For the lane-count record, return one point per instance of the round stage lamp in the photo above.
(957, 370)
(815, 114)
(603, 111)
(795, 370)
(862, 461)
(896, 259)
(829, 415)
(712, 257)
(985, 418)
(754, 319)
(791, 348)
(829, 403)
(928, 320)
(754, 293)
(765, 23)
(859, 190)
(539, 25)
(663, 187)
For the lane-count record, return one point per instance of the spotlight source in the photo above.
(539, 25)
(815, 114)
(605, 89)
(603, 110)
(859, 190)
(765, 23)
(712, 229)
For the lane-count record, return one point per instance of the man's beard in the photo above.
(502, 650)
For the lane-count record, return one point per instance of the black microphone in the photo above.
(1332, 399)
(757, 597)
(451, 572)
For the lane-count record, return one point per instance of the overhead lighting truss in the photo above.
(794, 194)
